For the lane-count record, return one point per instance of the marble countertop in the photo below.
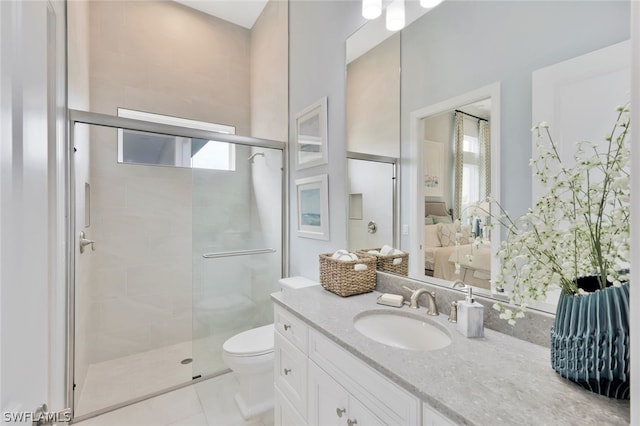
(492, 380)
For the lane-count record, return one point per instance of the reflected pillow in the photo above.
(447, 234)
(428, 220)
(441, 219)
(431, 238)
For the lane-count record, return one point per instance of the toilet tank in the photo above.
(295, 283)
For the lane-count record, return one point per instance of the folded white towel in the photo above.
(396, 251)
(339, 253)
(386, 250)
(360, 267)
(373, 252)
(348, 257)
(397, 261)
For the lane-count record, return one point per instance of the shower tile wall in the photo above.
(165, 58)
(152, 225)
(141, 286)
(141, 272)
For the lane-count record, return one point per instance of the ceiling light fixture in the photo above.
(371, 9)
(429, 4)
(395, 16)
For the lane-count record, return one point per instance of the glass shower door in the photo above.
(237, 248)
(171, 257)
(132, 289)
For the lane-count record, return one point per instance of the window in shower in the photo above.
(135, 147)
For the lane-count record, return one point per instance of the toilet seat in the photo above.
(254, 342)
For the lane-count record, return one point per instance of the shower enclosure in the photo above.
(177, 236)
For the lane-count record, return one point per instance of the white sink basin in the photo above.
(402, 330)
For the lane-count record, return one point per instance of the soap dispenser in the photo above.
(470, 316)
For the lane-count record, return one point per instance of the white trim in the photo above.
(176, 121)
(634, 316)
(416, 168)
(182, 147)
(320, 232)
(318, 108)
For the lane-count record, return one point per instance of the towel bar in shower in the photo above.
(237, 253)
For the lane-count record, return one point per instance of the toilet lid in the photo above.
(257, 341)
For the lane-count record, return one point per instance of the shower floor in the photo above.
(135, 376)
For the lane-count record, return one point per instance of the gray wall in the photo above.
(317, 33)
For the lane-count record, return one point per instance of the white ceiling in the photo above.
(239, 12)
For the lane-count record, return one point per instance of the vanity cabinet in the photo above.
(371, 395)
(318, 383)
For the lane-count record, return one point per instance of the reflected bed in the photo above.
(441, 253)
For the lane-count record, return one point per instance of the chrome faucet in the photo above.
(431, 295)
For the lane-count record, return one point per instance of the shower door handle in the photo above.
(85, 242)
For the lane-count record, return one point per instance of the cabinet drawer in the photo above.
(386, 400)
(291, 373)
(292, 328)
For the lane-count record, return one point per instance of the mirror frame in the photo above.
(416, 191)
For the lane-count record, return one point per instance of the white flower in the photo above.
(579, 227)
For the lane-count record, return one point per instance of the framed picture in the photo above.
(310, 148)
(433, 173)
(313, 207)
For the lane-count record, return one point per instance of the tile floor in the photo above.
(207, 403)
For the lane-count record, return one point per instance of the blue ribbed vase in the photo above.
(590, 340)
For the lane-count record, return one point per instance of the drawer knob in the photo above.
(286, 327)
(352, 422)
(340, 411)
(287, 371)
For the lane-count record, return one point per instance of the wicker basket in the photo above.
(340, 277)
(385, 263)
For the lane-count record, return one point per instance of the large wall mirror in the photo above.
(373, 136)
(479, 58)
(457, 142)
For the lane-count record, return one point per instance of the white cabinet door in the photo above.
(328, 401)
(359, 415)
(330, 404)
(290, 373)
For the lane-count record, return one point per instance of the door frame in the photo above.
(416, 171)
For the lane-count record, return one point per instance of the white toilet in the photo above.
(250, 355)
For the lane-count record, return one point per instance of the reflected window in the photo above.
(136, 147)
(470, 170)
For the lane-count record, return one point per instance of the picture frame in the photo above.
(310, 147)
(433, 170)
(313, 207)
